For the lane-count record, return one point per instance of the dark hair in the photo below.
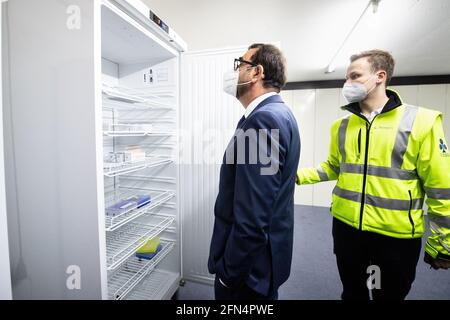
(273, 62)
(379, 60)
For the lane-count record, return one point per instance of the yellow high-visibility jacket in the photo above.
(385, 168)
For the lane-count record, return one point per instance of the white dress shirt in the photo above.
(373, 114)
(257, 101)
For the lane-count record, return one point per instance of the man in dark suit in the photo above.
(251, 246)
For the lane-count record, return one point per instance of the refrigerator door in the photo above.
(5, 274)
(208, 118)
(53, 152)
(92, 109)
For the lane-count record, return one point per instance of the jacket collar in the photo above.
(394, 102)
(257, 101)
(272, 99)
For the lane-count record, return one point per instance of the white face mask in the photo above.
(356, 91)
(230, 82)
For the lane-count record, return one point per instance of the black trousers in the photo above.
(357, 250)
(243, 292)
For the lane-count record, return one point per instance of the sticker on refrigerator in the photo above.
(156, 76)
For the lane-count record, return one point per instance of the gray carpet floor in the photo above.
(314, 274)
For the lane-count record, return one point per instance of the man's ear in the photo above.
(381, 76)
(259, 71)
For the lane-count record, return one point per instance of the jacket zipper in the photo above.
(359, 143)
(409, 213)
(366, 156)
(366, 159)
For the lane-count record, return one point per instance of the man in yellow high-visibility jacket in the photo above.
(386, 156)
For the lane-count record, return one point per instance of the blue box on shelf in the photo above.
(149, 255)
(128, 204)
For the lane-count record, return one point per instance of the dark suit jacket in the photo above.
(254, 212)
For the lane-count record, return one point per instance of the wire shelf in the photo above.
(154, 286)
(133, 130)
(136, 134)
(126, 129)
(123, 243)
(118, 97)
(133, 271)
(113, 169)
(114, 222)
(152, 178)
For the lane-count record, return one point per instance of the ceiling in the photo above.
(416, 32)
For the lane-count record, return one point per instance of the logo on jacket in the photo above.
(443, 148)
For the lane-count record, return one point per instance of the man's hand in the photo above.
(438, 263)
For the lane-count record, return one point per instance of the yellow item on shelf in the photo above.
(150, 247)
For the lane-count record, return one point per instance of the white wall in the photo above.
(315, 111)
(310, 34)
(303, 108)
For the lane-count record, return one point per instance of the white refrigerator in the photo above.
(104, 116)
(5, 274)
